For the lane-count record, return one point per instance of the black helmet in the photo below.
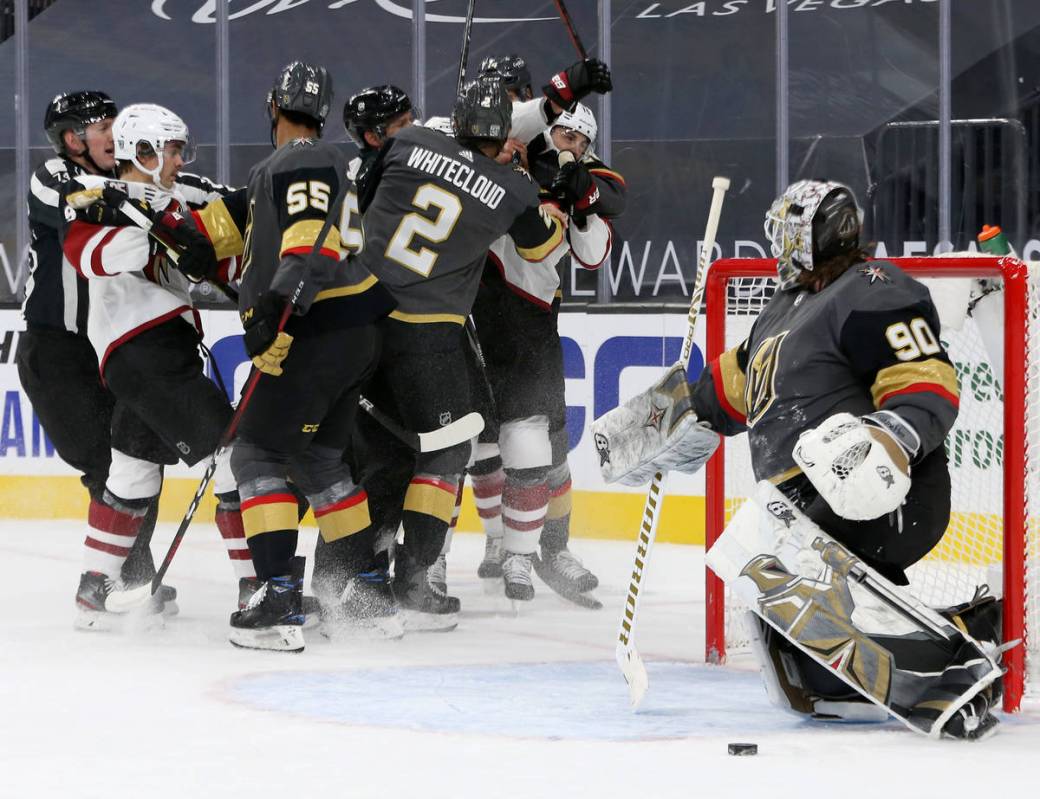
(304, 89)
(483, 110)
(835, 225)
(371, 109)
(74, 111)
(513, 71)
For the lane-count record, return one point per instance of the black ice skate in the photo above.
(366, 609)
(425, 606)
(491, 567)
(516, 572)
(92, 613)
(565, 574)
(273, 617)
(973, 720)
(247, 586)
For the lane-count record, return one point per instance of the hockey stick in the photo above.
(465, 45)
(571, 30)
(628, 659)
(459, 431)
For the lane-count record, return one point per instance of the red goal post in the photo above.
(1003, 538)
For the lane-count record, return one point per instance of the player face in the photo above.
(571, 141)
(399, 123)
(173, 163)
(98, 136)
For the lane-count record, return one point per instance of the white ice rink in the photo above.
(529, 706)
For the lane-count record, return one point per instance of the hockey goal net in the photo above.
(993, 537)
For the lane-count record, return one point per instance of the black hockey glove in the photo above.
(196, 257)
(578, 81)
(107, 209)
(574, 188)
(265, 345)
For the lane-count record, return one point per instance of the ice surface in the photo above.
(528, 706)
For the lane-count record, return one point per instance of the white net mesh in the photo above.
(972, 551)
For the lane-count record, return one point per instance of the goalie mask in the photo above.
(810, 223)
(144, 130)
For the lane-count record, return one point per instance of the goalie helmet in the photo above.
(810, 223)
(371, 109)
(303, 89)
(75, 111)
(483, 110)
(513, 72)
(145, 129)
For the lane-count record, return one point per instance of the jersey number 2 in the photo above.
(399, 248)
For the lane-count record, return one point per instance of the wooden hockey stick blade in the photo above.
(457, 432)
(631, 665)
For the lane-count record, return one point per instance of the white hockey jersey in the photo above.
(132, 286)
(539, 282)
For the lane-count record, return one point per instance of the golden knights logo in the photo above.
(760, 388)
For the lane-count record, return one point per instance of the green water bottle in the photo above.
(993, 241)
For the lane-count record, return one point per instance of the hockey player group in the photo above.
(423, 276)
(352, 279)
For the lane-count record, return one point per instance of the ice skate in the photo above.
(273, 616)
(247, 586)
(490, 567)
(92, 613)
(516, 572)
(366, 609)
(565, 574)
(425, 604)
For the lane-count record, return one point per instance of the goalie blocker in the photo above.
(655, 431)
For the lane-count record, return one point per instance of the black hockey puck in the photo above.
(743, 749)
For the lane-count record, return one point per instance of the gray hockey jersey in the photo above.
(868, 341)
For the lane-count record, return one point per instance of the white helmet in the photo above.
(155, 126)
(582, 120)
(441, 124)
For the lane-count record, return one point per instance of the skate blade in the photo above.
(493, 586)
(389, 628)
(279, 638)
(418, 622)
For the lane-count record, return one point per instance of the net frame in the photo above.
(1015, 496)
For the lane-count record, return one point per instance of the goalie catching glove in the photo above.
(655, 431)
(859, 465)
(265, 344)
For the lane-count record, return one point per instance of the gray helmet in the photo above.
(304, 89)
(483, 110)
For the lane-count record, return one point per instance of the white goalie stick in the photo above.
(628, 659)
(450, 435)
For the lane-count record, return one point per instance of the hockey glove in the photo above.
(574, 188)
(196, 257)
(106, 209)
(577, 81)
(265, 344)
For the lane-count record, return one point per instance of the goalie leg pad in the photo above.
(843, 614)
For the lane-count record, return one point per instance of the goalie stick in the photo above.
(625, 652)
